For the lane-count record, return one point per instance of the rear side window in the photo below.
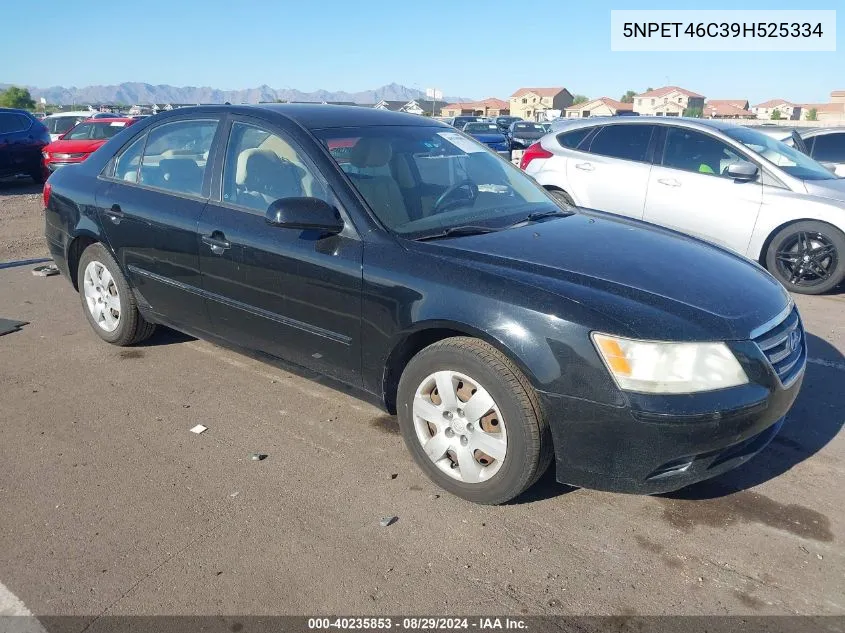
(830, 147)
(11, 122)
(628, 142)
(573, 139)
(176, 156)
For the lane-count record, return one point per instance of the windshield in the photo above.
(789, 159)
(94, 131)
(480, 128)
(424, 180)
(61, 124)
(528, 127)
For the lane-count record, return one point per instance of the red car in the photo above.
(78, 143)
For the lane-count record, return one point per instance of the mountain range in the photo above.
(130, 93)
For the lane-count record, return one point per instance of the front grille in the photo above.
(785, 347)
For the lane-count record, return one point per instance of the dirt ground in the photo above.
(111, 506)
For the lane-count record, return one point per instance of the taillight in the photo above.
(534, 150)
(48, 188)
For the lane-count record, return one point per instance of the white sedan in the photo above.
(722, 182)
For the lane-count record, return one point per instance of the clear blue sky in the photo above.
(490, 49)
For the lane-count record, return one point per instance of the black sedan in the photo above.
(398, 256)
(22, 137)
(521, 134)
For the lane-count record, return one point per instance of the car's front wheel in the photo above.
(107, 301)
(472, 421)
(807, 257)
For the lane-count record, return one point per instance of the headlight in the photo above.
(664, 367)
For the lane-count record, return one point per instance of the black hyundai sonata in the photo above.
(401, 257)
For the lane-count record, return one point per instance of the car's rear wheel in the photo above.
(807, 257)
(562, 198)
(107, 301)
(472, 421)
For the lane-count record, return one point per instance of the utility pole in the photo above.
(435, 95)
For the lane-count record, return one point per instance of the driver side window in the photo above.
(693, 151)
(261, 168)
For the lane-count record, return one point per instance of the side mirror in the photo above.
(743, 170)
(304, 214)
(831, 167)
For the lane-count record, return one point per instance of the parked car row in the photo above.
(399, 257)
(725, 183)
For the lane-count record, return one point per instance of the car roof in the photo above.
(15, 110)
(700, 124)
(318, 116)
(71, 113)
(111, 119)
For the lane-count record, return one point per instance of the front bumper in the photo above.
(663, 443)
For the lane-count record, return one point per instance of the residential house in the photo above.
(423, 107)
(727, 109)
(603, 106)
(531, 103)
(393, 106)
(486, 107)
(834, 111)
(789, 111)
(667, 101)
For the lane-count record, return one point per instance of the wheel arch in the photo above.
(421, 335)
(760, 257)
(74, 252)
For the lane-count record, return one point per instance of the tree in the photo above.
(776, 116)
(649, 89)
(579, 99)
(813, 115)
(15, 97)
(693, 112)
(628, 97)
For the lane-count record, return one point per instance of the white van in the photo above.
(60, 122)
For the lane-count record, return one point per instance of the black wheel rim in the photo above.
(806, 259)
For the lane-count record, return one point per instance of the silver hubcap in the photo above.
(101, 296)
(460, 427)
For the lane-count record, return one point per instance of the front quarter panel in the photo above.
(782, 206)
(543, 333)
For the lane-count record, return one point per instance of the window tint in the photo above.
(94, 131)
(126, 165)
(61, 124)
(830, 147)
(629, 142)
(261, 167)
(693, 151)
(11, 122)
(573, 139)
(176, 155)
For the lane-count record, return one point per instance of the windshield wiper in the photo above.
(456, 231)
(539, 215)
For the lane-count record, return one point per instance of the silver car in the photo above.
(722, 182)
(827, 145)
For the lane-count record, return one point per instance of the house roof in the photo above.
(739, 103)
(665, 90)
(393, 106)
(489, 102)
(771, 103)
(610, 103)
(725, 108)
(824, 107)
(543, 92)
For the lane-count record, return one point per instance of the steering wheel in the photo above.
(444, 197)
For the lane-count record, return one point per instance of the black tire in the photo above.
(131, 327)
(562, 198)
(785, 257)
(529, 443)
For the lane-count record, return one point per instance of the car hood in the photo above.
(73, 147)
(652, 283)
(833, 188)
(492, 137)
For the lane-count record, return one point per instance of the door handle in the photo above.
(669, 182)
(217, 242)
(585, 166)
(115, 214)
